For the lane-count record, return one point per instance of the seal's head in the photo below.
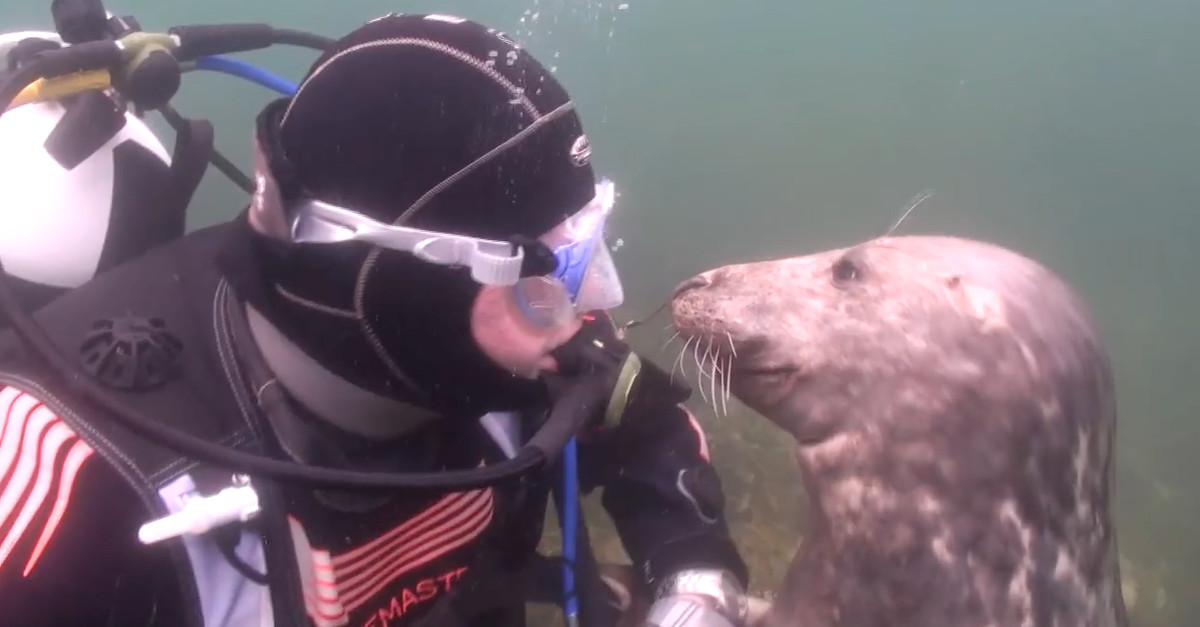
(954, 411)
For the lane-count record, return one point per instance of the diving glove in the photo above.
(597, 351)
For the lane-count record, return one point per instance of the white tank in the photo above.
(59, 227)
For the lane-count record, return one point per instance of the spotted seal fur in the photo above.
(954, 413)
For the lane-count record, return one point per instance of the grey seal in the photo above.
(954, 413)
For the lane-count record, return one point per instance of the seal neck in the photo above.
(329, 397)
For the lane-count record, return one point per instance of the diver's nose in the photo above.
(694, 283)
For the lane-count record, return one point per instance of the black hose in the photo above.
(202, 40)
(218, 160)
(280, 36)
(283, 36)
(299, 38)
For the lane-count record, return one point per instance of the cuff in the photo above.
(696, 552)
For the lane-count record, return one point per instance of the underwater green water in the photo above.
(739, 131)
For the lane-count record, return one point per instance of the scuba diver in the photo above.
(348, 405)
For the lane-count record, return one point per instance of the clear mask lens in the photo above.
(586, 278)
(544, 301)
(601, 287)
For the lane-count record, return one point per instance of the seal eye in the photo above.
(845, 270)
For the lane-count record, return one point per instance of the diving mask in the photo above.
(583, 277)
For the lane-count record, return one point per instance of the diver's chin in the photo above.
(544, 365)
(530, 374)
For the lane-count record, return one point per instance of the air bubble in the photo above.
(624, 6)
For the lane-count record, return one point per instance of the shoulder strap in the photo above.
(210, 154)
(193, 149)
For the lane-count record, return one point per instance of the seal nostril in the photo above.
(694, 283)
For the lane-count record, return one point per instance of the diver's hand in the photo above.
(652, 384)
(596, 351)
(699, 598)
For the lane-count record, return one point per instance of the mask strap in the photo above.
(539, 259)
(267, 135)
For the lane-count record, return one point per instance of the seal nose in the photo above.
(694, 283)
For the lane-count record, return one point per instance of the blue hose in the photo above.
(570, 524)
(243, 70)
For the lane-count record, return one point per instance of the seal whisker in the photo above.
(633, 323)
(679, 361)
(912, 204)
(708, 356)
(726, 384)
(699, 372)
(696, 358)
(732, 348)
(669, 340)
(718, 370)
(712, 389)
(712, 376)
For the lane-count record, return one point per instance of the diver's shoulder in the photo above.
(164, 273)
(204, 242)
(167, 284)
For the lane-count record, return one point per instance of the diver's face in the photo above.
(519, 326)
(510, 339)
(505, 333)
